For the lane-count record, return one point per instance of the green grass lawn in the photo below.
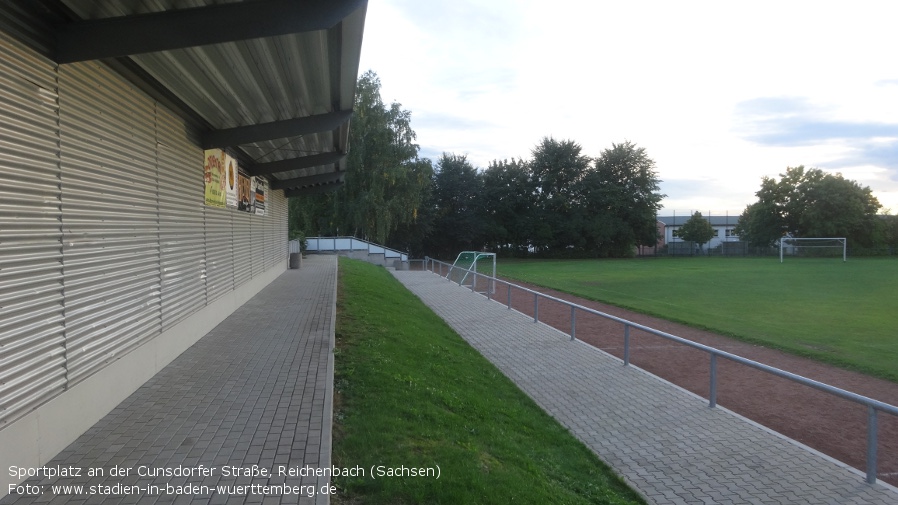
(411, 392)
(840, 313)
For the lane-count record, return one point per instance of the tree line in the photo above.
(813, 203)
(558, 203)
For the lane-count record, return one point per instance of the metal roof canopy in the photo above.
(272, 81)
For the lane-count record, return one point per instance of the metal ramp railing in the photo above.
(350, 245)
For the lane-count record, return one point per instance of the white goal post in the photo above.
(466, 264)
(820, 247)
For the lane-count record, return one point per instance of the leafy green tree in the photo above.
(385, 184)
(759, 225)
(622, 198)
(555, 170)
(888, 232)
(456, 200)
(838, 207)
(310, 216)
(508, 206)
(810, 203)
(696, 229)
(411, 235)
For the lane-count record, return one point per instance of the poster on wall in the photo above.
(215, 177)
(245, 193)
(261, 193)
(231, 182)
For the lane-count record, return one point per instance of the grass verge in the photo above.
(412, 393)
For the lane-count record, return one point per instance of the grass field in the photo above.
(840, 313)
(411, 392)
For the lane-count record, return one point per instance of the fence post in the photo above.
(871, 444)
(474, 282)
(535, 307)
(508, 292)
(626, 345)
(573, 323)
(712, 397)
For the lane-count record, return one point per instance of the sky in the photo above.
(720, 94)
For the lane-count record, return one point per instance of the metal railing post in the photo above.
(535, 308)
(871, 444)
(573, 323)
(474, 282)
(626, 345)
(712, 397)
(508, 292)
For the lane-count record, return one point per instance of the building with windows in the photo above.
(724, 229)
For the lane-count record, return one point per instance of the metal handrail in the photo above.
(873, 406)
(403, 256)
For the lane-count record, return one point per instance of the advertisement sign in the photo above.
(261, 194)
(231, 182)
(245, 194)
(215, 177)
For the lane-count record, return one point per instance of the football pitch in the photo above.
(840, 313)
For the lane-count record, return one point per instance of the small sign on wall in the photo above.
(215, 176)
(231, 183)
(260, 190)
(245, 194)
(222, 178)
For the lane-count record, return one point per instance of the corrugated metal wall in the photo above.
(219, 252)
(110, 220)
(105, 241)
(243, 248)
(181, 214)
(32, 344)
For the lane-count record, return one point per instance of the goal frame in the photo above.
(841, 240)
(477, 256)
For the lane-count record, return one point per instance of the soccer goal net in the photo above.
(469, 262)
(814, 248)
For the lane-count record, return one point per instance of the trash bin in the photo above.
(295, 260)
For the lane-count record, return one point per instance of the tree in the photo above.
(555, 170)
(385, 184)
(838, 207)
(508, 206)
(628, 189)
(411, 235)
(696, 229)
(810, 203)
(457, 189)
(759, 225)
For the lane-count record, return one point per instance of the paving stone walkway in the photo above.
(254, 393)
(664, 441)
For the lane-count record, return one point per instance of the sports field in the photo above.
(840, 313)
